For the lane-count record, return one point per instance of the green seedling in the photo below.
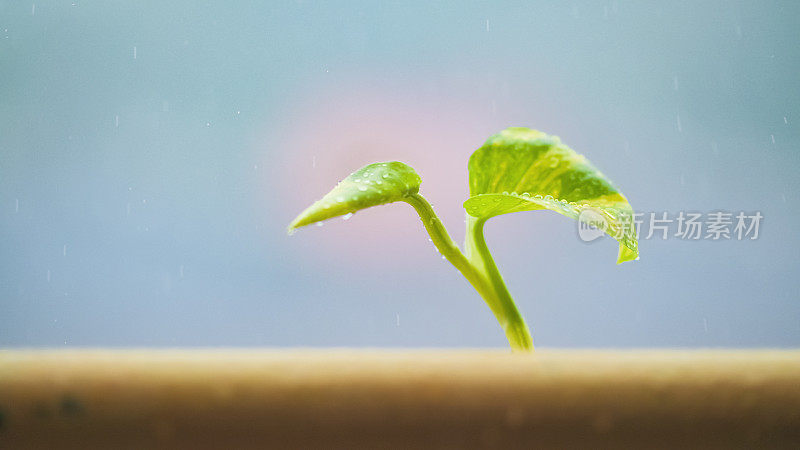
(518, 169)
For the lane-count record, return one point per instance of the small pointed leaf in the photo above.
(520, 169)
(372, 185)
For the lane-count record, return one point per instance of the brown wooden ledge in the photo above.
(398, 399)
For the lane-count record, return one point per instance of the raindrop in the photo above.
(64, 250)
(378, 182)
(785, 121)
(386, 175)
(116, 121)
(772, 136)
(180, 270)
(680, 128)
(313, 161)
(340, 199)
(397, 319)
(675, 82)
(134, 50)
(208, 124)
(319, 224)
(362, 188)
(487, 24)
(347, 216)
(48, 276)
(16, 205)
(33, 9)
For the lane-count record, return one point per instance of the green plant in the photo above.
(518, 169)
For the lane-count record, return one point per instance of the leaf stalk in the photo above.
(479, 268)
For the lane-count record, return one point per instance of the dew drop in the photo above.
(362, 188)
(347, 216)
(340, 199)
(319, 224)
(386, 175)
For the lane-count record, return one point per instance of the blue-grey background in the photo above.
(152, 153)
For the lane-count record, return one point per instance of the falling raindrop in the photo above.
(16, 205)
(680, 127)
(64, 250)
(772, 136)
(48, 276)
(134, 52)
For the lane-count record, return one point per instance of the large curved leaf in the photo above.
(372, 185)
(520, 169)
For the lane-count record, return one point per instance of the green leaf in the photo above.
(520, 169)
(372, 185)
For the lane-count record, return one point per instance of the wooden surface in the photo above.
(398, 399)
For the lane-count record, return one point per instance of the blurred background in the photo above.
(152, 154)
